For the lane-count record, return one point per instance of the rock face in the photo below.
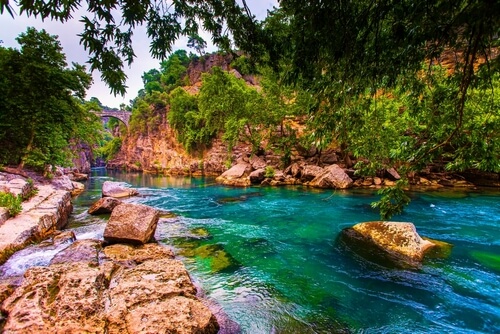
(131, 223)
(104, 205)
(150, 293)
(332, 177)
(117, 190)
(388, 243)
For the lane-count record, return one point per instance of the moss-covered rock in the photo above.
(216, 257)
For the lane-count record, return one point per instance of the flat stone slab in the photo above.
(43, 213)
(117, 190)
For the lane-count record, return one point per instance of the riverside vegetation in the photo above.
(399, 90)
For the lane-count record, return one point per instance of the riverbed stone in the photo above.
(131, 223)
(388, 243)
(257, 176)
(148, 293)
(310, 172)
(139, 254)
(332, 177)
(157, 297)
(236, 176)
(104, 205)
(86, 251)
(117, 190)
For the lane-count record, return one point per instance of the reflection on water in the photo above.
(269, 256)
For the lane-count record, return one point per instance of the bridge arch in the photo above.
(121, 115)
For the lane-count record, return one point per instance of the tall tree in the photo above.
(41, 102)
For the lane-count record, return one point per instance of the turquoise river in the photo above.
(270, 258)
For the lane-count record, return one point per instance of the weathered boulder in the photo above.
(80, 251)
(332, 177)
(104, 205)
(236, 175)
(63, 298)
(117, 190)
(78, 188)
(149, 293)
(131, 223)
(139, 254)
(392, 174)
(388, 243)
(257, 176)
(257, 162)
(310, 172)
(157, 297)
(294, 170)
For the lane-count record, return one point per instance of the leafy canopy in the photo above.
(42, 109)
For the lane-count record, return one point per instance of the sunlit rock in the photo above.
(131, 290)
(138, 254)
(104, 205)
(332, 177)
(236, 175)
(117, 190)
(131, 223)
(389, 243)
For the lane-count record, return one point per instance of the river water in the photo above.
(269, 257)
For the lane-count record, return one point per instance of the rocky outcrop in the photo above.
(44, 213)
(238, 175)
(146, 292)
(117, 190)
(104, 205)
(389, 243)
(131, 223)
(332, 177)
(257, 176)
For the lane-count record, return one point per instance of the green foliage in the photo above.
(33, 190)
(269, 172)
(11, 202)
(111, 148)
(227, 104)
(42, 112)
(185, 118)
(244, 65)
(393, 200)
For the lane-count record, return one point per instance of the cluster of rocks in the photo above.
(124, 284)
(254, 170)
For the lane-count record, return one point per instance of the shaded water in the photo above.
(269, 256)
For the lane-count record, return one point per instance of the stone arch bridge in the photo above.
(121, 115)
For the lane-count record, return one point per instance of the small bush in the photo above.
(32, 192)
(11, 202)
(269, 172)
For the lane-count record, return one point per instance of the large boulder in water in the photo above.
(131, 223)
(117, 190)
(388, 243)
(151, 293)
(104, 205)
(332, 177)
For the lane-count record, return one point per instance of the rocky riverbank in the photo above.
(93, 285)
